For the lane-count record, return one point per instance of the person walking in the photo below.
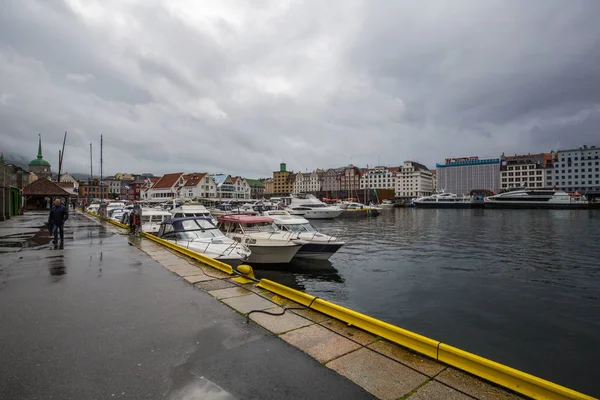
(57, 218)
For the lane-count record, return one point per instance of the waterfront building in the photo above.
(257, 188)
(124, 176)
(413, 180)
(131, 190)
(332, 182)
(433, 180)
(283, 181)
(39, 166)
(308, 182)
(225, 187)
(166, 188)
(268, 187)
(461, 175)
(578, 170)
(529, 170)
(379, 178)
(242, 188)
(93, 190)
(199, 185)
(71, 187)
(114, 187)
(350, 181)
(66, 177)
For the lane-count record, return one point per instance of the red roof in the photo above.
(44, 187)
(243, 219)
(154, 179)
(167, 181)
(192, 180)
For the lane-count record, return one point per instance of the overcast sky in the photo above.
(239, 86)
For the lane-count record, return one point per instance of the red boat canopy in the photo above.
(243, 219)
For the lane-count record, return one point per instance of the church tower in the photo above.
(39, 166)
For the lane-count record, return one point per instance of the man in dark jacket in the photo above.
(58, 216)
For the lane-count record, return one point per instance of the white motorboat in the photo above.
(201, 235)
(116, 214)
(309, 207)
(387, 204)
(152, 218)
(269, 245)
(191, 210)
(318, 246)
(444, 200)
(536, 198)
(353, 209)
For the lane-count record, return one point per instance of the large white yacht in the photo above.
(444, 200)
(318, 246)
(269, 244)
(201, 235)
(536, 198)
(309, 207)
(152, 218)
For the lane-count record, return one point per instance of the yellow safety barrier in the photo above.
(284, 291)
(190, 253)
(502, 375)
(409, 339)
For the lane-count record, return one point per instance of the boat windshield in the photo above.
(199, 234)
(260, 227)
(298, 227)
(194, 224)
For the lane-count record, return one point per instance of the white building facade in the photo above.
(242, 188)
(379, 178)
(462, 175)
(413, 180)
(577, 170)
(199, 185)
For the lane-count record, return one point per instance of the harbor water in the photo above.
(520, 287)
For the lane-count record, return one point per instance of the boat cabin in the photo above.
(243, 224)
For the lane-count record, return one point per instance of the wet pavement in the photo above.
(102, 319)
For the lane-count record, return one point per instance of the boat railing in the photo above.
(334, 234)
(227, 251)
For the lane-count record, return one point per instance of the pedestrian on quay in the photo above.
(57, 218)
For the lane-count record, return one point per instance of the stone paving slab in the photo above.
(245, 304)
(434, 390)
(473, 386)
(229, 292)
(312, 315)
(280, 323)
(322, 344)
(380, 376)
(214, 284)
(198, 278)
(422, 364)
(350, 332)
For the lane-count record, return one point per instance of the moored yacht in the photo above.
(200, 234)
(353, 209)
(387, 204)
(309, 207)
(269, 245)
(318, 246)
(191, 210)
(537, 198)
(444, 200)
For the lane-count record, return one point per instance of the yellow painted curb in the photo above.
(284, 291)
(499, 374)
(502, 375)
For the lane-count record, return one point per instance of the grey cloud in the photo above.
(239, 87)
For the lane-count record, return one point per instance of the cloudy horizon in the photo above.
(238, 87)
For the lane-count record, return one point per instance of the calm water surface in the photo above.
(521, 287)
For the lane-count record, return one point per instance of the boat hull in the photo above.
(536, 206)
(435, 204)
(272, 254)
(232, 261)
(318, 251)
(322, 214)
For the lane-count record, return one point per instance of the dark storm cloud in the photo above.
(238, 87)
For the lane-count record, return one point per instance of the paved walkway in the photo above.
(101, 318)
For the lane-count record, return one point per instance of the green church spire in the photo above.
(39, 156)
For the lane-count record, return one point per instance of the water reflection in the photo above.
(57, 268)
(299, 271)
